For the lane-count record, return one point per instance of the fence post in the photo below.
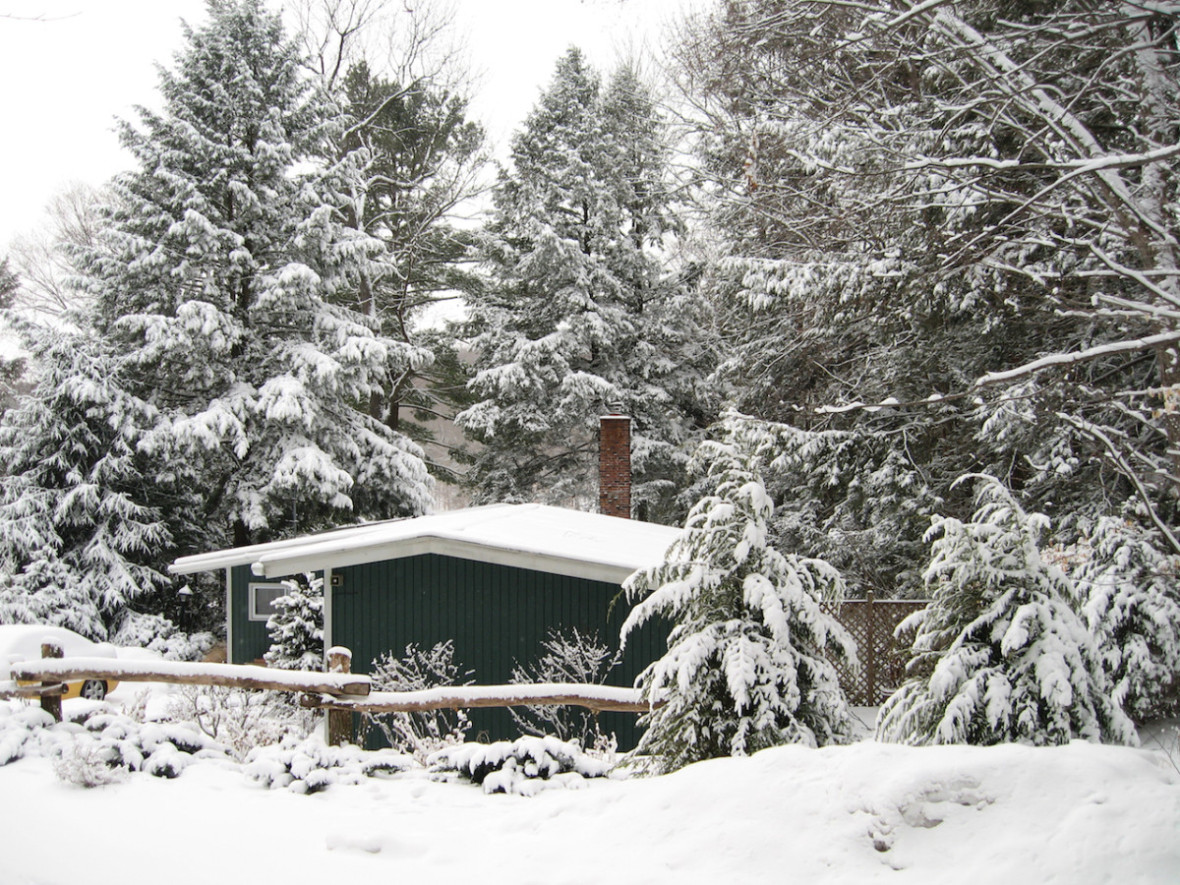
(339, 721)
(51, 703)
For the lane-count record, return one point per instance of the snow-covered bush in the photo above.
(999, 654)
(157, 633)
(420, 733)
(22, 728)
(297, 626)
(87, 763)
(748, 662)
(525, 766)
(100, 746)
(308, 765)
(570, 657)
(240, 719)
(1131, 601)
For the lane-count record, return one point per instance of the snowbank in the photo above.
(865, 813)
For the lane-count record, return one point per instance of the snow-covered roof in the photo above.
(533, 536)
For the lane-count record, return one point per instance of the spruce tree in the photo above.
(1000, 653)
(749, 660)
(220, 279)
(896, 215)
(581, 314)
(82, 509)
(297, 626)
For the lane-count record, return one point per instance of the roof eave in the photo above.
(277, 564)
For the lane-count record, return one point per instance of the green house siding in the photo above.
(248, 638)
(497, 616)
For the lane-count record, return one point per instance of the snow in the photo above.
(608, 694)
(869, 812)
(534, 535)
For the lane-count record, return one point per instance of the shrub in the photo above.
(420, 734)
(569, 657)
(524, 766)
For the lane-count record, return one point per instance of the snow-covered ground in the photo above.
(866, 813)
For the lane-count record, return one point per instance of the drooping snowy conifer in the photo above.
(297, 626)
(749, 660)
(81, 526)
(219, 280)
(10, 365)
(1000, 653)
(581, 312)
(1128, 589)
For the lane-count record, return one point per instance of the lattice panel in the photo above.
(882, 658)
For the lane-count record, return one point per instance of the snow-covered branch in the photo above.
(1067, 359)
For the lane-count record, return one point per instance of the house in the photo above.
(495, 579)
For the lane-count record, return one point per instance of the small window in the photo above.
(262, 600)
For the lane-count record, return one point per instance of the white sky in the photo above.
(68, 68)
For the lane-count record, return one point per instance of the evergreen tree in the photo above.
(220, 280)
(82, 525)
(1128, 589)
(908, 202)
(411, 157)
(297, 626)
(1000, 654)
(580, 313)
(10, 367)
(749, 660)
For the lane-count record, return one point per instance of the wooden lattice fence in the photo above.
(882, 657)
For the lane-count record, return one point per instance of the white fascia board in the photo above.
(219, 559)
(234, 556)
(278, 565)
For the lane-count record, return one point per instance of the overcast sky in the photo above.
(68, 68)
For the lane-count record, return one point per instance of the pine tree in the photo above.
(581, 314)
(1129, 595)
(1000, 653)
(82, 525)
(411, 157)
(219, 280)
(297, 626)
(749, 660)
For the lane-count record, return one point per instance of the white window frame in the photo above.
(252, 610)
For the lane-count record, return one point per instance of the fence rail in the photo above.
(182, 673)
(338, 691)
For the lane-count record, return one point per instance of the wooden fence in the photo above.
(883, 657)
(871, 622)
(338, 691)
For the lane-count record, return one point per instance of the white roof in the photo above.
(533, 536)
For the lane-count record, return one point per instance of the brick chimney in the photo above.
(614, 466)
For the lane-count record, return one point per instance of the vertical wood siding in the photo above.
(250, 638)
(497, 616)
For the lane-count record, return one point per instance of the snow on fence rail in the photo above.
(599, 698)
(182, 673)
